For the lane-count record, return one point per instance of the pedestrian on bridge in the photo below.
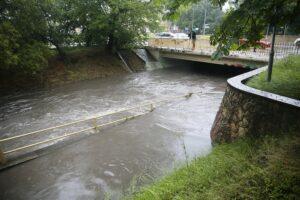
(192, 36)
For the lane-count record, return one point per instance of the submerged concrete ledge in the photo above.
(246, 111)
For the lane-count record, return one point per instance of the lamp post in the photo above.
(271, 57)
(204, 22)
(193, 19)
(267, 33)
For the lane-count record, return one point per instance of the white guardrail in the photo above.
(148, 107)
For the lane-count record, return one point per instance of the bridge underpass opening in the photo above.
(204, 68)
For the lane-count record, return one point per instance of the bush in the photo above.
(21, 55)
(245, 169)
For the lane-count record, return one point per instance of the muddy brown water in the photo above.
(114, 162)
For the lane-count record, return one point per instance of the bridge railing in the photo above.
(282, 49)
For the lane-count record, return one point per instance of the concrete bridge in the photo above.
(180, 49)
(200, 56)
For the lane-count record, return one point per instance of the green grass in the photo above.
(285, 78)
(245, 169)
(81, 50)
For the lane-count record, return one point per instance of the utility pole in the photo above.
(267, 31)
(193, 19)
(284, 31)
(271, 57)
(204, 22)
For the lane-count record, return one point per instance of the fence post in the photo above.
(2, 157)
(151, 108)
(95, 124)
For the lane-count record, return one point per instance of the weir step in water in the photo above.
(150, 61)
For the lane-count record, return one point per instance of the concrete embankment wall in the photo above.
(134, 62)
(247, 111)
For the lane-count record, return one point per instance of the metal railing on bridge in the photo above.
(282, 49)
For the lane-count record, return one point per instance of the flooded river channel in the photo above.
(112, 163)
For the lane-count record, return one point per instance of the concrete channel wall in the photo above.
(246, 111)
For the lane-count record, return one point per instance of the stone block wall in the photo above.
(249, 112)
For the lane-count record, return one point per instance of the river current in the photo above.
(118, 159)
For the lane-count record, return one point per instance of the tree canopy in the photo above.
(29, 27)
(116, 23)
(249, 19)
(195, 14)
(20, 44)
(246, 18)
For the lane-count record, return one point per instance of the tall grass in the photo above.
(285, 78)
(245, 169)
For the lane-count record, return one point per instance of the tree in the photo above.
(248, 18)
(20, 50)
(116, 23)
(29, 27)
(214, 16)
(60, 23)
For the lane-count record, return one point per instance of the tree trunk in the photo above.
(88, 40)
(111, 43)
(61, 53)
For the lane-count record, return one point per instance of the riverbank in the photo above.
(257, 156)
(80, 64)
(245, 169)
(107, 163)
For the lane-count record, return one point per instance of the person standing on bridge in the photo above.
(192, 36)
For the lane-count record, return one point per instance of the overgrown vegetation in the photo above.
(28, 28)
(245, 19)
(268, 168)
(193, 17)
(249, 19)
(286, 78)
(80, 64)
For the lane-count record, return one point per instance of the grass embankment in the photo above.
(81, 64)
(285, 78)
(245, 169)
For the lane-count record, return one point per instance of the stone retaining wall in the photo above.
(247, 111)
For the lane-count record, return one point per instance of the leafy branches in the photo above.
(246, 19)
(121, 23)
(20, 50)
(29, 27)
(196, 12)
(249, 19)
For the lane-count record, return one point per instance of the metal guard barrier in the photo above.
(95, 126)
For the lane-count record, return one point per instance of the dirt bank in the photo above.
(80, 64)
